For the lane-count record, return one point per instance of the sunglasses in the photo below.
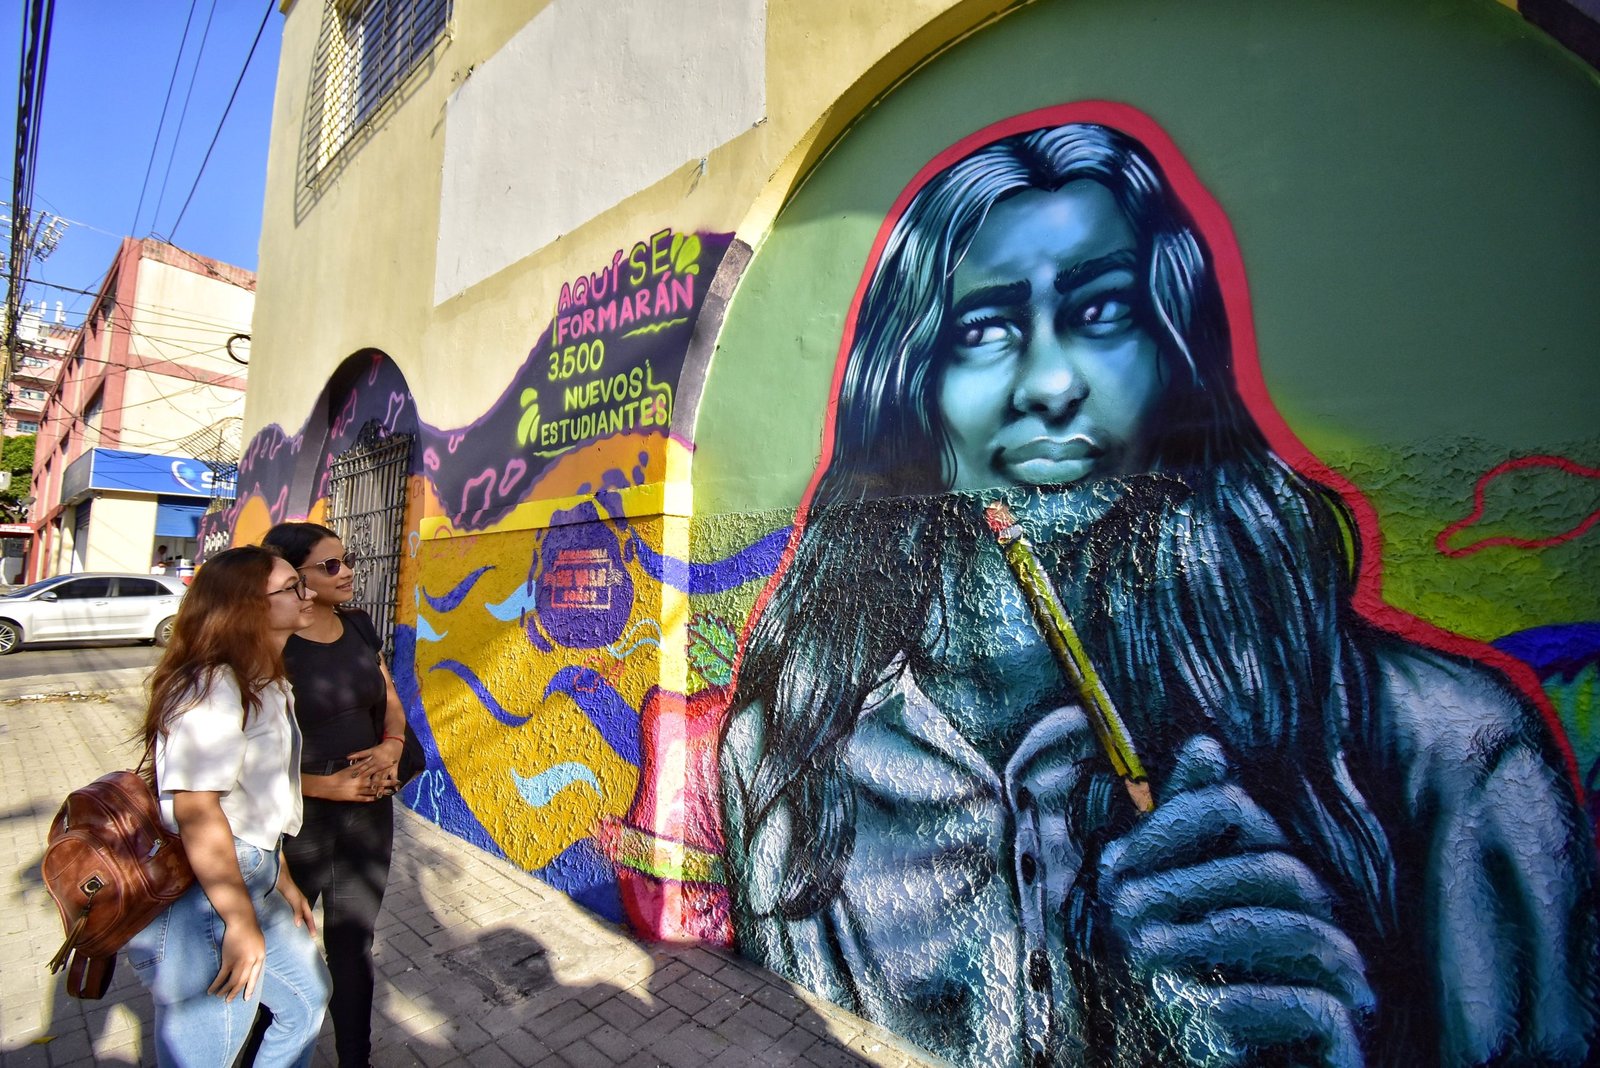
(333, 564)
(299, 589)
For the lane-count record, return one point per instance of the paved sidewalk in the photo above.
(478, 963)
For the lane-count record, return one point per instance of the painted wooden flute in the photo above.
(1059, 633)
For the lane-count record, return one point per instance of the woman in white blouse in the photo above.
(227, 759)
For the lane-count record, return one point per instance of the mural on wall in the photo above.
(605, 365)
(1320, 830)
(524, 546)
(1187, 760)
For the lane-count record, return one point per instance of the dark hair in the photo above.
(294, 541)
(221, 626)
(887, 435)
(1279, 681)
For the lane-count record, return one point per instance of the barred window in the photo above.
(366, 49)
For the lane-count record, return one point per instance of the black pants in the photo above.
(341, 856)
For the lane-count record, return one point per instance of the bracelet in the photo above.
(394, 738)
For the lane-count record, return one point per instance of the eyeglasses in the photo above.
(299, 589)
(333, 564)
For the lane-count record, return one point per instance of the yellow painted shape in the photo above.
(253, 522)
(478, 750)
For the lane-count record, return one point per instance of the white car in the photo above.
(90, 606)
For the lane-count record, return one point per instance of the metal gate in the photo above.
(367, 506)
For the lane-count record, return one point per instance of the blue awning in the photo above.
(142, 472)
(178, 519)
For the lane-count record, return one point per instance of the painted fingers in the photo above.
(1229, 935)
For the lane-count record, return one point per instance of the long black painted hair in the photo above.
(1215, 596)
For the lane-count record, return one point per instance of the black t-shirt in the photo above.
(339, 694)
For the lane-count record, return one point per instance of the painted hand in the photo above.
(1229, 936)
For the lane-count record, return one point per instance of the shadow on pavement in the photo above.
(491, 992)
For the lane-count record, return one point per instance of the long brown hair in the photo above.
(221, 626)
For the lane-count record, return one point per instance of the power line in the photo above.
(153, 309)
(71, 418)
(265, 17)
(37, 19)
(184, 113)
(155, 146)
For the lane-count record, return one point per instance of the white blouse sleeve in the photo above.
(205, 748)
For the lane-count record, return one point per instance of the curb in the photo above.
(74, 686)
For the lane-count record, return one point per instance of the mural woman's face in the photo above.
(1050, 377)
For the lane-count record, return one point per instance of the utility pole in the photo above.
(29, 233)
(30, 237)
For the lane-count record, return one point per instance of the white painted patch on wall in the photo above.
(589, 103)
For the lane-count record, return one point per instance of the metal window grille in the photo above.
(367, 507)
(217, 446)
(365, 51)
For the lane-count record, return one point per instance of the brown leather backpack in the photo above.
(111, 867)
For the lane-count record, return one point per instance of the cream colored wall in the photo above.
(357, 268)
(159, 410)
(122, 530)
(614, 78)
(181, 320)
(186, 318)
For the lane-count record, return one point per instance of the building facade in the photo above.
(670, 361)
(129, 452)
(42, 349)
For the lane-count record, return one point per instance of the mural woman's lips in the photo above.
(1046, 460)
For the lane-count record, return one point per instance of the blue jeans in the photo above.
(179, 954)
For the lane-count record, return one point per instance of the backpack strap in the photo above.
(89, 977)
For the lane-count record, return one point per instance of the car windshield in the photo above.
(37, 587)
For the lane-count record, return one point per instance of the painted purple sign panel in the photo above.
(606, 363)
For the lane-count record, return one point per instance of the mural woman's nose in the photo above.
(1050, 381)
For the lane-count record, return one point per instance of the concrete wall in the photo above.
(1272, 325)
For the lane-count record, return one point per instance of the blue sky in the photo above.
(109, 68)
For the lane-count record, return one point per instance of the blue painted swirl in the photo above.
(752, 562)
(615, 719)
(480, 691)
(451, 601)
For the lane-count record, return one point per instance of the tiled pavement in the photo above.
(478, 963)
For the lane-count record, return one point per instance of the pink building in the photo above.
(134, 440)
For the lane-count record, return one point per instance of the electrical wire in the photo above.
(37, 21)
(67, 420)
(155, 146)
(183, 114)
(265, 17)
(154, 309)
(71, 417)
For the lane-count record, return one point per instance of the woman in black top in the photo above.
(354, 728)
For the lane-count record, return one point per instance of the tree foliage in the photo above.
(16, 457)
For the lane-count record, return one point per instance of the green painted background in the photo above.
(1415, 187)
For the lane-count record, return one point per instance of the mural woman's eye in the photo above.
(1104, 316)
(983, 334)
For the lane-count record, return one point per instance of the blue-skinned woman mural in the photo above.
(1367, 845)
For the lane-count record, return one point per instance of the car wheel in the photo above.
(164, 631)
(10, 637)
